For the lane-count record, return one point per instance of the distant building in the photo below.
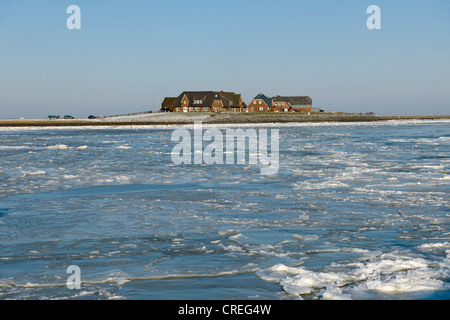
(220, 101)
(205, 101)
(167, 104)
(262, 103)
(296, 104)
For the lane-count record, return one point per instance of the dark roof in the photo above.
(263, 97)
(229, 99)
(294, 101)
(207, 98)
(168, 103)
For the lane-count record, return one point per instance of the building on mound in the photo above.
(167, 104)
(295, 104)
(204, 101)
(262, 103)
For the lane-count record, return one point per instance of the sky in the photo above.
(129, 55)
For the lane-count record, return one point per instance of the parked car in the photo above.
(68, 117)
(91, 117)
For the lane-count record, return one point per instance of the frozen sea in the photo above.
(356, 211)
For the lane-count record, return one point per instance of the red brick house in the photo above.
(205, 101)
(294, 104)
(260, 103)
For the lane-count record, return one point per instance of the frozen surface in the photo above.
(356, 211)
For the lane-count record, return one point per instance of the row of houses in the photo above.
(220, 101)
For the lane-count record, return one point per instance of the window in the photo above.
(198, 101)
(178, 109)
(205, 108)
(184, 102)
(253, 109)
(197, 109)
(261, 108)
(260, 102)
(191, 109)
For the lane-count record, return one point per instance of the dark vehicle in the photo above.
(91, 117)
(68, 117)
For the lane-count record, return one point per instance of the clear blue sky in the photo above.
(129, 55)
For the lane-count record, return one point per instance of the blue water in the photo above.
(356, 211)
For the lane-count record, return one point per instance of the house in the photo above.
(167, 104)
(260, 103)
(205, 101)
(232, 102)
(295, 104)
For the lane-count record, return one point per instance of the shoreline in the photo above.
(162, 119)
